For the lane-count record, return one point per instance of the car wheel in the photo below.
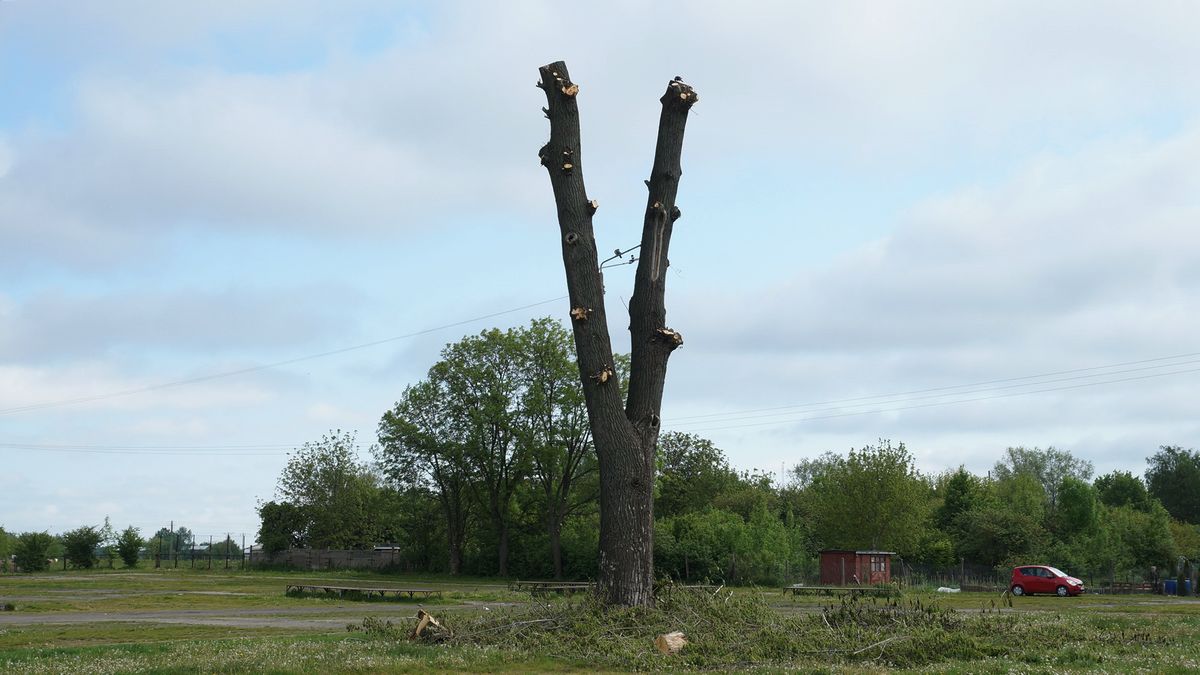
(1018, 591)
(1062, 591)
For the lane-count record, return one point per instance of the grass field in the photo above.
(200, 621)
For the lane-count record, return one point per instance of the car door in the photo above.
(1029, 579)
(1045, 580)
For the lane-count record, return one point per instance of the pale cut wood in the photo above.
(670, 643)
(424, 621)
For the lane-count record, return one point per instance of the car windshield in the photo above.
(1057, 572)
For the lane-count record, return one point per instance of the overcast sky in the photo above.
(964, 226)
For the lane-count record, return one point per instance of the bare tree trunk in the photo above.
(626, 435)
(555, 532)
(502, 548)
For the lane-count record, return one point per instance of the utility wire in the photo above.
(265, 366)
(275, 449)
(941, 403)
(197, 453)
(177, 450)
(874, 397)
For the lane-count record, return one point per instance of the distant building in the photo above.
(843, 567)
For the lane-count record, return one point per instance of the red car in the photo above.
(1030, 579)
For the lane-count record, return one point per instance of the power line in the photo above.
(275, 449)
(175, 450)
(795, 407)
(941, 403)
(266, 366)
(145, 453)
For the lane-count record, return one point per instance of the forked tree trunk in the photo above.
(625, 433)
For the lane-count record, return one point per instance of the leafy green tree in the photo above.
(6, 546)
(960, 491)
(691, 473)
(700, 544)
(481, 377)
(108, 542)
(283, 526)
(553, 427)
(1187, 540)
(129, 546)
(226, 547)
(872, 498)
(411, 519)
(80, 546)
(32, 551)
(1140, 539)
(171, 543)
(1121, 488)
(1023, 493)
(334, 489)
(995, 533)
(805, 472)
(498, 410)
(1174, 478)
(1048, 467)
(422, 446)
(1078, 509)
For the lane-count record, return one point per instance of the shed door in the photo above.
(878, 569)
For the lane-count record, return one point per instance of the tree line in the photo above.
(487, 467)
(90, 546)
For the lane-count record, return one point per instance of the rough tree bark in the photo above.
(625, 433)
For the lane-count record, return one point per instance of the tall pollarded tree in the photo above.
(625, 433)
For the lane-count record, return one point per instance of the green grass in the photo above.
(183, 588)
(747, 629)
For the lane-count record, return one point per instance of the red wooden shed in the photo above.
(841, 567)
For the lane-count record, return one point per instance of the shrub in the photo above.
(32, 551)
(80, 546)
(129, 544)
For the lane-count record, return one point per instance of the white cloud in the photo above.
(54, 325)
(1076, 261)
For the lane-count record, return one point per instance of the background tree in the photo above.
(691, 473)
(226, 547)
(1121, 488)
(1187, 540)
(625, 432)
(80, 546)
(1174, 478)
(1048, 467)
(421, 446)
(32, 551)
(334, 489)
(129, 546)
(283, 525)
(993, 533)
(872, 498)
(1078, 509)
(479, 377)
(554, 428)
(959, 491)
(108, 542)
(6, 546)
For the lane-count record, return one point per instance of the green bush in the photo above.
(80, 546)
(32, 551)
(129, 544)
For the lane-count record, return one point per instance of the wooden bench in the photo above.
(365, 591)
(882, 591)
(548, 587)
(1127, 587)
